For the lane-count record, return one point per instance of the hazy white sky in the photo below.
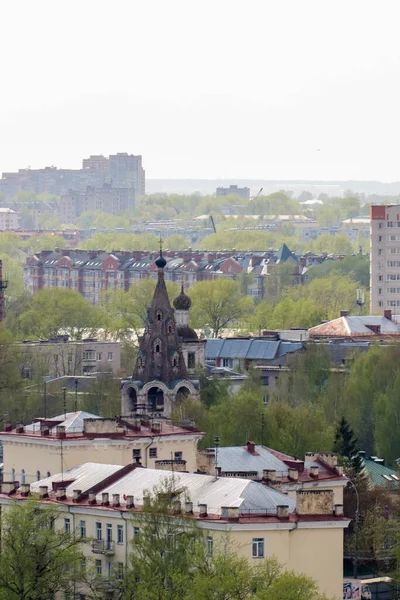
(218, 88)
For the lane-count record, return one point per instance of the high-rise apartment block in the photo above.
(121, 170)
(112, 200)
(385, 258)
(243, 192)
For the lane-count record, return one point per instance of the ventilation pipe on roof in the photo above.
(344, 313)
(282, 511)
(43, 491)
(130, 502)
(115, 500)
(203, 510)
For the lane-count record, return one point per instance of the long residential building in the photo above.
(108, 199)
(90, 272)
(104, 501)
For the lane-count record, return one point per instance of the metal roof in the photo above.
(258, 349)
(72, 421)
(249, 496)
(239, 459)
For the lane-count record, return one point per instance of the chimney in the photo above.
(19, 428)
(43, 491)
(176, 507)
(130, 503)
(210, 258)
(92, 497)
(269, 474)
(44, 431)
(314, 470)
(25, 489)
(60, 432)
(7, 487)
(282, 511)
(338, 510)
(202, 510)
(105, 499)
(75, 495)
(8, 426)
(251, 447)
(188, 507)
(61, 493)
(146, 501)
(344, 313)
(115, 500)
(387, 313)
(136, 425)
(293, 474)
(230, 512)
(156, 427)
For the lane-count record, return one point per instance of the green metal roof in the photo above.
(380, 475)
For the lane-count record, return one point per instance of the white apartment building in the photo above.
(8, 219)
(385, 259)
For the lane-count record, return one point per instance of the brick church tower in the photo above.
(160, 377)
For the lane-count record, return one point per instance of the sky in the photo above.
(267, 89)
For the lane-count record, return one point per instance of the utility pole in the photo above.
(216, 441)
(3, 286)
(45, 399)
(355, 560)
(262, 429)
(65, 401)
(76, 395)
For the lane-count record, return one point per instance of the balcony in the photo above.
(103, 547)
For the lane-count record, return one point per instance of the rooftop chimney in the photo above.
(314, 470)
(387, 313)
(115, 500)
(338, 510)
(105, 499)
(282, 511)
(130, 502)
(156, 427)
(43, 491)
(344, 313)
(60, 432)
(92, 497)
(251, 447)
(269, 474)
(61, 493)
(230, 512)
(25, 489)
(202, 510)
(293, 474)
(76, 494)
(19, 428)
(188, 507)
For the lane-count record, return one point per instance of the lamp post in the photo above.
(65, 401)
(76, 395)
(355, 561)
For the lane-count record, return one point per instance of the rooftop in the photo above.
(363, 326)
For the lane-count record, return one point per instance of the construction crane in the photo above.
(256, 196)
(213, 224)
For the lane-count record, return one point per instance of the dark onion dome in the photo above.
(161, 262)
(182, 302)
(186, 333)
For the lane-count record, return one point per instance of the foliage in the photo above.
(345, 445)
(37, 560)
(218, 304)
(356, 267)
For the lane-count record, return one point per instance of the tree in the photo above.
(37, 560)
(345, 445)
(57, 310)
(218, 304)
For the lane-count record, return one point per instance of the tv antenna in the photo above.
(360, 299)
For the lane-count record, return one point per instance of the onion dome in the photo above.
(182, 302)
(161, 262)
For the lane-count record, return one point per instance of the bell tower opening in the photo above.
(155, 399)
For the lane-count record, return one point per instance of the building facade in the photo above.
(8, 219)
(65, 441)
(243, 192)
(108, 199)
(385, 258)
(304, 534)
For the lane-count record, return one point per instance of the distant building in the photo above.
(378, 474)
(8, 219)
(243, 192)
(61, 357)
(108, 199)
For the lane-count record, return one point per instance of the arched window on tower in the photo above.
(159, 315)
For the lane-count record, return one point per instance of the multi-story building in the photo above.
(8, 219)
(65, 441)
(304, 534)
(234, 189)
(111, 200)
(121, 170)
(385, 258)
(61, 357)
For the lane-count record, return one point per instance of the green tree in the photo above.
(57, 310)
(345, 444)
(218, 304)
(37, 560)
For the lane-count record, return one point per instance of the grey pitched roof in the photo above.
(257, 349)
(238, 459)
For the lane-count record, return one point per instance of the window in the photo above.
(99, 356)
(108, 569)
(265, 398)
(258, 547)
(120, 534)
(83, 528)
(109, 535)
(227, 362)
(98, 567)
(191, 360)
(153, 453)
(98, 531)
(48, 474)
(120, 570)
(67, 525)
(136, 453)
(157, 348)
(89, 355)
(380, 277)
(67, 596)
(136, 532)
(178, 455)
(110, 356)
(210, 546)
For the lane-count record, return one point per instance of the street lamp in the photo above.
(76, 395)
(65, 401)
(355, 561)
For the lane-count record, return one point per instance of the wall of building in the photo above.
(44, 455)
(385, 259)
